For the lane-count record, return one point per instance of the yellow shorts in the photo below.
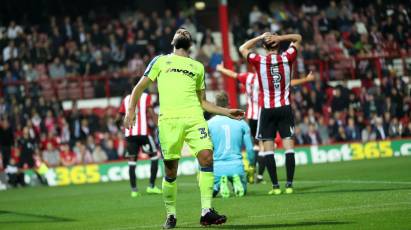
(173, 132)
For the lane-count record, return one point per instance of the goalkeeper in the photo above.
(228, 136)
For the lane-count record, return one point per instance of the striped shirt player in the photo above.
(250, 82)
(274, 77)
(274, 72)
(138, 138)
(139, 135)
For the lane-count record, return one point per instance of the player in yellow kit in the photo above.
(181, 90)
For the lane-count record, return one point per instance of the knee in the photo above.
(205, 158)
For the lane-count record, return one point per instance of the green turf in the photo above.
(373, 194)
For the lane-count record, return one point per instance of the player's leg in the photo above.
(267, 128)
(149, 147)
(171, 136)
(286, 129)
(253, 130)
(206, 180)
(131, 155)
(271, 166)
(220, 179)
(170, 189)
(289, 164)
(216, 188)
(200, 144)
(237, 177)
(261, 163)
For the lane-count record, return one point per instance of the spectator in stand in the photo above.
(381, 130)
(57, 69)
(51, 155)
(6, 141)
(83, 155)
(10, 51)
(368, 134)
(27, 146)
(99, 155)
(67, 157)
(300, 139)
(312, 137)
(110, 150)
(352, 131)
(341, 136)
(30, 73)
(255, 15)
(15, 174)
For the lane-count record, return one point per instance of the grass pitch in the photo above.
(370, 194)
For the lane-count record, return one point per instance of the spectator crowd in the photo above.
(36, 127)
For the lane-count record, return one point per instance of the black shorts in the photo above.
(145, 143)
(275, 120)
(253, 127)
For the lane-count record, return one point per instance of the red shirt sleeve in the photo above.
(242, 77)
(253, 58)
(122, 108)
(291, 53)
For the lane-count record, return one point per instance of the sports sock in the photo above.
(261, 163)
(132, 175)
(153, 171)
(271, 167)
(206, 182)
(290, 166)
(170, 195)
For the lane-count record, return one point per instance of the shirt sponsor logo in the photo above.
(183, 71)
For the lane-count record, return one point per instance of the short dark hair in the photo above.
(182, 39)
(221, 99)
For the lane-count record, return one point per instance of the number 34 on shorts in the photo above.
(173, 132)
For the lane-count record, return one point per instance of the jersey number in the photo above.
(203, 133)
(227, 136)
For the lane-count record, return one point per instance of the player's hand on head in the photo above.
(236, 114)
(265, 35)
(273, 39)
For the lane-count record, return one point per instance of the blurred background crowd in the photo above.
(120, 43)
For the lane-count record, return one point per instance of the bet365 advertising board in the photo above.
(118, 171)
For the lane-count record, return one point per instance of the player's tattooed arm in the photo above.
(228, 72)
(245, 48)
(308, 78)
(135, 96)
(212, 108)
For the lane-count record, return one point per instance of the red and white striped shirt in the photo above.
(140, 128)
(274, 76)
(250, 81)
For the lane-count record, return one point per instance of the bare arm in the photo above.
(153, 115)
(135, 96)
(211, 108)
(308, 78)
(248, 45)
(227, 72)
(295, 39)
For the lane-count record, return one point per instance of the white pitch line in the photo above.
(333, 209)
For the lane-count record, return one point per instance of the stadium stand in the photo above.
(72, 58)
